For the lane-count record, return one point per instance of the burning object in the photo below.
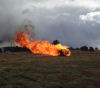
(40, 47)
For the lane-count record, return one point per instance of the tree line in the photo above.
(85, 48)
(19, 49)
(82, 48)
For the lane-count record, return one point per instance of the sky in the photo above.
(73, 22)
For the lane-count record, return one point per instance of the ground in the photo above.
(24, 70)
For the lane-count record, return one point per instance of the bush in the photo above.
(91, 49)
(84, 48)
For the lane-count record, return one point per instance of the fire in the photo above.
(40, 47)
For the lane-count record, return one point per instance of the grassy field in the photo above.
(23, 70)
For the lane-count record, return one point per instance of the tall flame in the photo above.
(40, 47)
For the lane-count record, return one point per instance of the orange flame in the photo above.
(40, 47)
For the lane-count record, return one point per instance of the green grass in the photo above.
(25, 70)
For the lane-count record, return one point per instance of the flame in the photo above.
(40, 47)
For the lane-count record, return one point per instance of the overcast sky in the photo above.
(72, 22)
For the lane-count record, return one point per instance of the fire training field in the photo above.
(25, 70)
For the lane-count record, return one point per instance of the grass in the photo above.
(24, 70)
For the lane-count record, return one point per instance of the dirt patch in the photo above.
(65, 79)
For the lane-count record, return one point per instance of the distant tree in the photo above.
(55, 42)
(16, 49)
(91, 49)
(77, 49)
(0, 50)
(84, 48)
(96, 48)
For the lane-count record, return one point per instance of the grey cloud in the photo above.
(60, 23)
(92, 16)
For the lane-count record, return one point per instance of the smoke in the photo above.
(10, 19)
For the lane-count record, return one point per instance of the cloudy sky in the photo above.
(72, 22)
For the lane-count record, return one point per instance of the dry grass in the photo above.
(25, 70)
